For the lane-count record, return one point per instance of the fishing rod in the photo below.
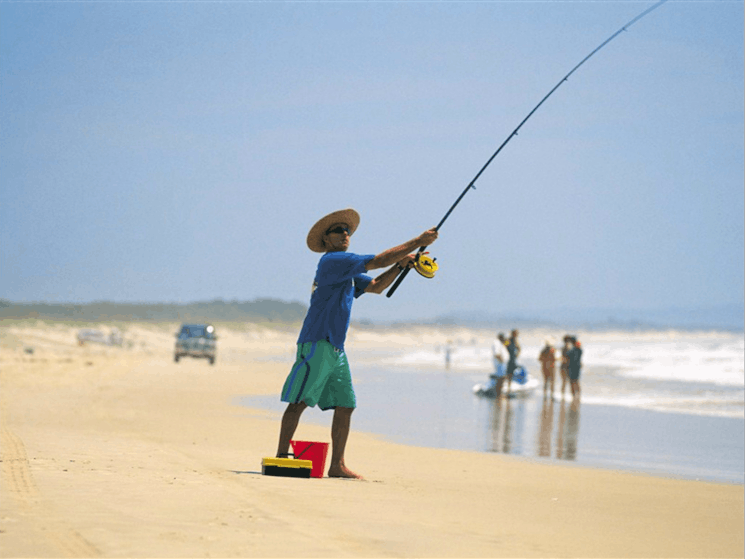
(427, 266)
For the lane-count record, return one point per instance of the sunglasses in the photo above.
(339, 230)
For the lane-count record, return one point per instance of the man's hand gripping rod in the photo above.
(401, 277)
(421, 250)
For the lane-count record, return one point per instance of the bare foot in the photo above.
(343, 472)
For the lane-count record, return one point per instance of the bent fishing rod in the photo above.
(425, 265)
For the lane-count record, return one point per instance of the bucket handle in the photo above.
(303, 452)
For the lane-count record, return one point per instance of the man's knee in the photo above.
(296, 409)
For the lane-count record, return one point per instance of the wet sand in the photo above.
(119, 452)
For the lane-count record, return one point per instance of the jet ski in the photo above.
(522, 384)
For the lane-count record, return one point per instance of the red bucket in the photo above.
(313, 451)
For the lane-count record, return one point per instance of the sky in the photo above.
(180, 151)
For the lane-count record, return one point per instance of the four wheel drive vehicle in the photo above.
(196, 340)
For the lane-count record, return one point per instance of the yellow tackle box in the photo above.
(286, 467)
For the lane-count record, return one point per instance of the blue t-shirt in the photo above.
(340, 278)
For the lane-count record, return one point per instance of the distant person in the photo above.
(448, 353)
(499, 357)
(513, 350)
(547, 357)
(563, 367)
(321, 373)
(574, 366)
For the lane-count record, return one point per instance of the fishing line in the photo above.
(425, 265)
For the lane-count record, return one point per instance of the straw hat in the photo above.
(315, 236)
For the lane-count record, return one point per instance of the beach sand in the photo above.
(120, 452)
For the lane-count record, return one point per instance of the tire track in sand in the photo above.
(16, 472)
(19, 482)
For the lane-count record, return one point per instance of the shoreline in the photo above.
(553, 439)
(108, 452)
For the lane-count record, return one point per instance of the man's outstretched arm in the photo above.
(395, 254)
(381, 283)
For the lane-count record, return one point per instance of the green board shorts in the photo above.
(320, 376)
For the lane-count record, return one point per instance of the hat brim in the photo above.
(315, 237)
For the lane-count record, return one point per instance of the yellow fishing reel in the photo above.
(425, 265)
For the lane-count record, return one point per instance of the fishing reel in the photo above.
(425, 265)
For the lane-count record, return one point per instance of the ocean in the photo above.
(668, 403)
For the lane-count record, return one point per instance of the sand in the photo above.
(120, 452)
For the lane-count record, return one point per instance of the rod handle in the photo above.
(400, 278)
(398, 281)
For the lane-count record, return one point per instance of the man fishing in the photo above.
(321, 374)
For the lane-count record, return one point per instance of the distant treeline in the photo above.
(259, 310)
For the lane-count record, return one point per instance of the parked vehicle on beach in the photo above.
(91, 335)
(196, 340)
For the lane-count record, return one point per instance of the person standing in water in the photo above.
(547, 357)
(563, 367)
(448, 353)
(499, 356)
(321, 374)
(574, 366)
(513, 349)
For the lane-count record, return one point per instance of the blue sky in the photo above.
(180, 151)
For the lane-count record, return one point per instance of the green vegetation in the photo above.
(258, 311)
